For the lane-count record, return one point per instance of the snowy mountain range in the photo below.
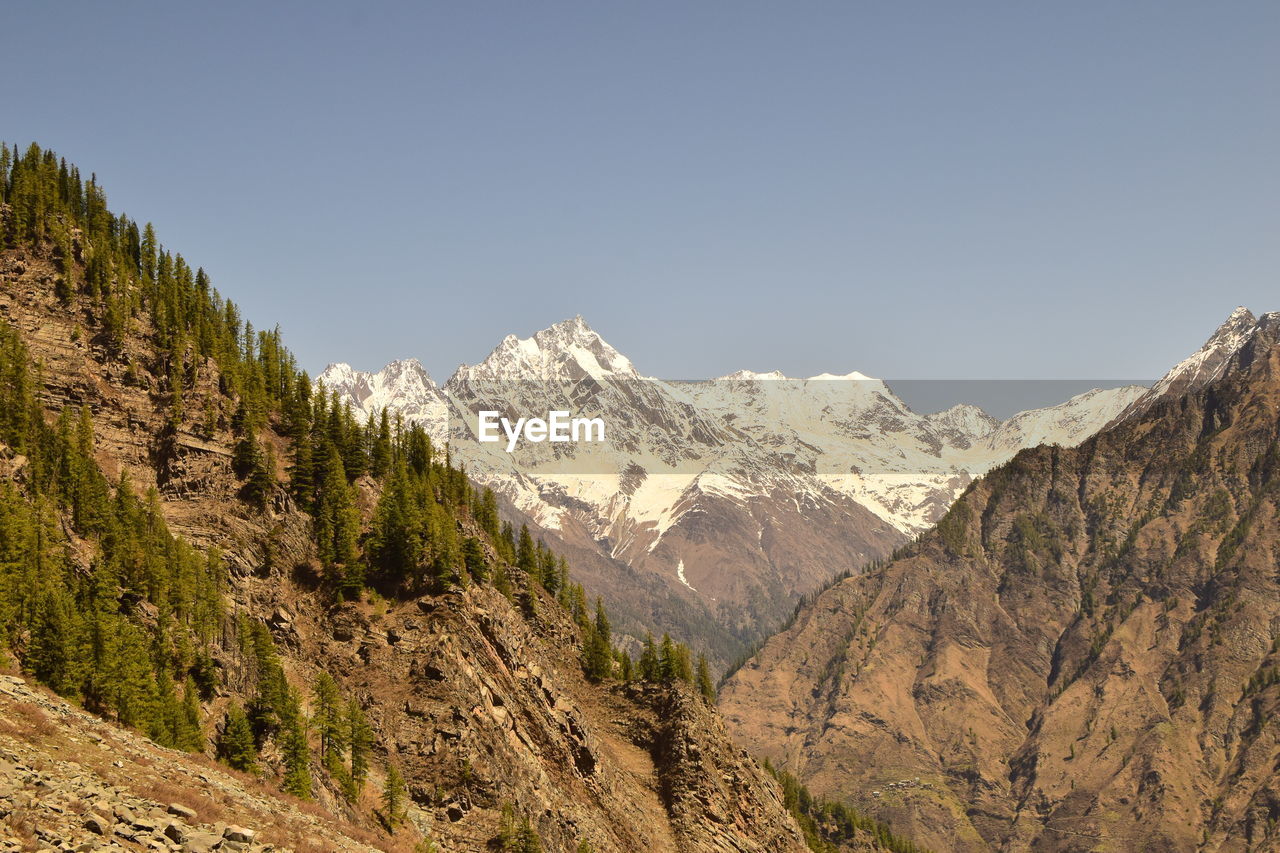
(739, 493)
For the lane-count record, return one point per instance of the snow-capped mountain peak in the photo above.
(339, 375)
(965, 419)
(851, 376)
(1204, 365)
(753, 376)
(402, 387)
(1208, 362)
(570, 349)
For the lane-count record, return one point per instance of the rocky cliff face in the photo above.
(481, 706)
(1082, 655)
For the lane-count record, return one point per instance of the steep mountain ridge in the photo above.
(1202, 366)
(797, 478)
(1082, 655)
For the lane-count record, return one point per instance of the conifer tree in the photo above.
(598, 651)
(235, 744)
(336, 521)
(394, 794)
(191, 737)
(705, 685)
(516, 834)
(649, 666)
(667, 660)
(526, 557)
(548, 569)
(329, 718)
(360, 739)
(380, 458)
(501, 581)
(473, 558)
(530, 841)
(294, 747)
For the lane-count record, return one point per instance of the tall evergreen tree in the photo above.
(329, 718)
(394, 795)
(235, 744)
(649, 669)
(337, 522)
(706, 686)
(294, 747)
(360, 740)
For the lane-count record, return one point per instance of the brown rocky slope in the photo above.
(1081, 656)
(70, 781)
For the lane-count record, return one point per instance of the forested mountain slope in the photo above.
(195, 547)
(1081, 656)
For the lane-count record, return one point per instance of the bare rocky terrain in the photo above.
(70, 781)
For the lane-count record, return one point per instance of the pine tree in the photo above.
(598, 651)
(380, 457)
(235, 744)
(297, 753)
(667, 660)
(191, 736)
(329, 718)
(549, 570)
(705, 685)
(517, 835)
(682, 664)
(473, 558)
(337, 523)
(360, 740)
(508, 828)
(526, 557)
(394, 794)
(501, 582)
(649, 665)
(530, 842)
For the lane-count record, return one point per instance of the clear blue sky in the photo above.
(907, 189)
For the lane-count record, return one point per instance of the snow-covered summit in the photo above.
(964, 418)
(569, 349)
(851, 376)
(753, 376)
(403, 386)
(1206, 364)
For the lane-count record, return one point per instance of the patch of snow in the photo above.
(680, 575)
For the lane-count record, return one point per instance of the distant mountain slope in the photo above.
(736, 495)
(1083, 653)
